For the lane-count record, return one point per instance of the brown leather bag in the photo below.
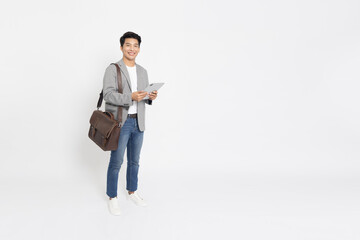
(104, 129)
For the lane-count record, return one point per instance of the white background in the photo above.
(255, 134)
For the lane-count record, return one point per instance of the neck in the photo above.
(129, 63)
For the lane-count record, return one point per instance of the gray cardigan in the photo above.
(113, 98)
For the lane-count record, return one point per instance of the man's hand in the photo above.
(138, 96)
(153, 95)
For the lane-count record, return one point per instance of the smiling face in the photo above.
(130, 48)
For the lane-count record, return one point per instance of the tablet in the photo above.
(152, 87)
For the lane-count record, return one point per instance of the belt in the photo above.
(132, 115)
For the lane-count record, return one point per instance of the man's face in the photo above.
(130, 48)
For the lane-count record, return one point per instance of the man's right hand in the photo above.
(138, 96)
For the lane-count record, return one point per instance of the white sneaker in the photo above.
(136, 199)
(114, 206)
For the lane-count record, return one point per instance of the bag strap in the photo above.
(120, 89)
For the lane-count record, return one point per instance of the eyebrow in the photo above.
(129, 43)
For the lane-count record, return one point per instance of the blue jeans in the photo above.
(132, 138)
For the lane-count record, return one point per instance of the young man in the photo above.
(134, 80)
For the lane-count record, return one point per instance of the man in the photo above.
(134, 80)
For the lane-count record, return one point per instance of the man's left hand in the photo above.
(153, 95)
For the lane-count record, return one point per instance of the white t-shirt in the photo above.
(133, 79)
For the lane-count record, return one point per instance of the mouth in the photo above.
(131, 54)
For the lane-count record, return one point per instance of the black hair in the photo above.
(129, 35)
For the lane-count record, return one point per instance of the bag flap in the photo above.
(102, 122)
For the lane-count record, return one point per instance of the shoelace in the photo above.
(137, 195)
(114, 202)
